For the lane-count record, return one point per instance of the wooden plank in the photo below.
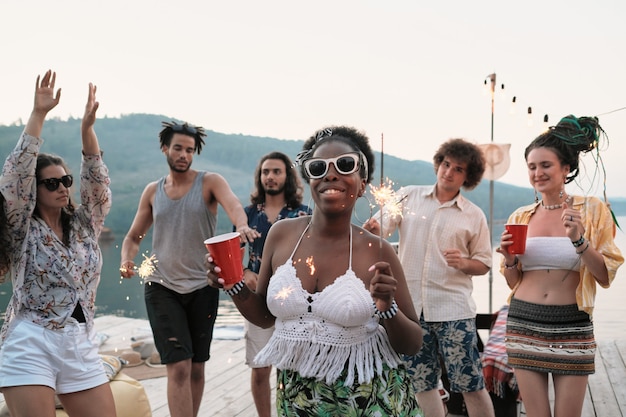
(600, 386)
(588, 409)
(615, 369)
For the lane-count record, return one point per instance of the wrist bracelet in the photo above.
(514, 266)
(583, 251)
(579, 242)
(393, 310)
(236, 289)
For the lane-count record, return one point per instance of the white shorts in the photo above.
(256, 339)
(65, 360)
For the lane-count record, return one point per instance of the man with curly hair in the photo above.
(444, 241)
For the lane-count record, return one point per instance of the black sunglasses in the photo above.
(52, 184)
(344, 164)
(185, 128)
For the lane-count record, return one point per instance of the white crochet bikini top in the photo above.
(549, 253)
(319, 335)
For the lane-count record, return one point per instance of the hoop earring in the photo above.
(355, 214)
(310, 204)
(536, 196)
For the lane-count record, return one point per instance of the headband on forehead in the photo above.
(324, 133)
(306, 154)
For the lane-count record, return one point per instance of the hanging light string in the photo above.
(602, 141)
(612, 111)
(490, 85)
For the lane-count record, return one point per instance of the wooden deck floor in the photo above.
(227, 387)
(227, 391)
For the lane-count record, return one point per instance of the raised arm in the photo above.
(45, 100)
(90, 140)
(17, 183)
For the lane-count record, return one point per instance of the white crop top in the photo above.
(319, 335)
(549, 253)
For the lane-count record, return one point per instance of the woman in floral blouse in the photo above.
(54, 262)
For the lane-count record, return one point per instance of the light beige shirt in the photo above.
(427, 228)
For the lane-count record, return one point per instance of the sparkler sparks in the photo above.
(148, 266)
(387, 198)
(310, 264)
(389, 203)
(284, 293)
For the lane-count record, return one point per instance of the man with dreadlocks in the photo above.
(569, 250)
(181, 305)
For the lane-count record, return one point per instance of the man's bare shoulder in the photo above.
(211, 177)
(151, 187)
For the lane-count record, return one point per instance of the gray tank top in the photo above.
(180, 228)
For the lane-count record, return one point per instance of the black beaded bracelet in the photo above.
(579, 242)
(583, 251)
(236, 289)
(393, 310)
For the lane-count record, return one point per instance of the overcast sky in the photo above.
(410, 70)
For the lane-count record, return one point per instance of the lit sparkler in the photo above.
(387, 198)
(148, 266)
(389, 204)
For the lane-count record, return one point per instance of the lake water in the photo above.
(125, 297)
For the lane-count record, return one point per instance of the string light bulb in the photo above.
(530, 116)
(545, 122)
(502, 93)
(512, 111)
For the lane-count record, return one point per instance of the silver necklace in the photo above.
(556, 206)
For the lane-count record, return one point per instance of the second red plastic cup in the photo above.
(226, 253)
(519, 238)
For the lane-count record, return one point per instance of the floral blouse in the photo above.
(48, 277)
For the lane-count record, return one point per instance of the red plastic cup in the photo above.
(226, 254)
(519, 232)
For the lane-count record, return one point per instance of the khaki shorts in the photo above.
(256, 339)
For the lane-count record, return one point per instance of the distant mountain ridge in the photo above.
(131, 151)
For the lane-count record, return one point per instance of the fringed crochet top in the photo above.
(319, 335)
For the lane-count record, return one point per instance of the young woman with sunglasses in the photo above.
(54, 259)
(337, 295)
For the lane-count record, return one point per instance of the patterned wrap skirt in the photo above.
(388, 395)
(554, 339)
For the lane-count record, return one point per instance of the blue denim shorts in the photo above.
(65, 360)
(456, 344)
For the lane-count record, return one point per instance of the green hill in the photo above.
(131, 151)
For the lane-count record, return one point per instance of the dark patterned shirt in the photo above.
(257, 219)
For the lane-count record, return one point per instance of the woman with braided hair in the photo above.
(569, 250)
